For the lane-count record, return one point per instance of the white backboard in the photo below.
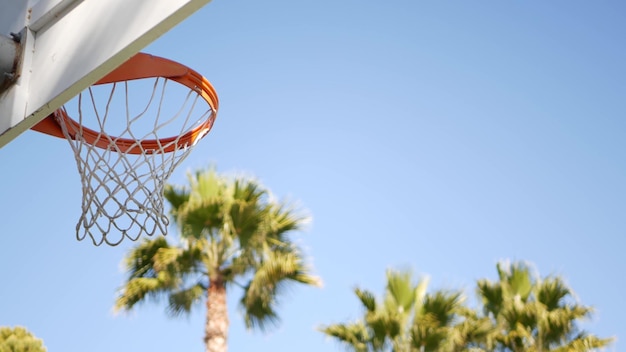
(70, 44)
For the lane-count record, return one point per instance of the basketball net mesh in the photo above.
(123, 189)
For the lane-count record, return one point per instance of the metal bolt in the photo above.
(17, 37)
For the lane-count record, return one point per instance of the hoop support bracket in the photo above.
(10, 60)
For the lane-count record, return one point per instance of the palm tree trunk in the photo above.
(216, 330)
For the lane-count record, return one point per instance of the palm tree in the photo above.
(232, 233)
(534, 315)
(519, 313)
(18, 339)
(409, 319)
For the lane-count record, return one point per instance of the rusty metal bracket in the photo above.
(10, 59)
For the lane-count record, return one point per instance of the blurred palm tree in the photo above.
(519, 313)
(18, 339)
(534, 315)
(410, 319)
(232, 232)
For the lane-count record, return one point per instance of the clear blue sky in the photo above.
(437, 135)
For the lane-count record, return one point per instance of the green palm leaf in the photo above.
(367, 299)
(270, 276)
(517, 279)
(354, 335)
(401, 291)
(139, 261)
(182, 301)
(176, 197)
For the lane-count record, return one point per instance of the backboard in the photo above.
(67, 45)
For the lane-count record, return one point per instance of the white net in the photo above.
(124, 170)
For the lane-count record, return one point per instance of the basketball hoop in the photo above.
(124, 169)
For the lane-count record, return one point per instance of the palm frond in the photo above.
(245, 220)
(248, 190)
(202, 219)
(491, 296)
(270, 276)
(551, 292)
(354, 335)
(282, 219)
(165, 257)
(242, 263)
(199, 209)
(183, 300)
(382, 328)
(205, 184)
(176, 196)
(401, 292)
(191, 257)
(516, 278)
(259, 311)
(442, 307)
(584, 342)
(156, 269)
(425, 337)
(367, 299)
(474, 330)
(138, 289)
(138, 261)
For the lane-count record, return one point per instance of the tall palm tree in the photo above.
(409, 319)
(232, 233)
(533, 314)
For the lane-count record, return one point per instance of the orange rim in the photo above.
(142, 66)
